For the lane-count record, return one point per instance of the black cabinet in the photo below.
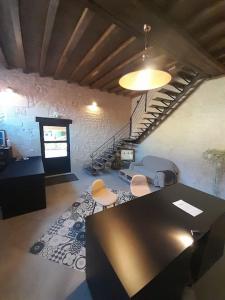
(5, 157)
(22, 187)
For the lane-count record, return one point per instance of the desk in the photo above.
(22, 187)
(141, 249)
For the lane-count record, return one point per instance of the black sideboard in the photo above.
(22, 187)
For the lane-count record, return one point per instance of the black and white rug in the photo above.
(64, 242)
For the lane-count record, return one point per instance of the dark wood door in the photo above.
(55, 145)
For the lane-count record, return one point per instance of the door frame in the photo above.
(47, 161)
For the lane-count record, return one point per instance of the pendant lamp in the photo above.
(147, 78)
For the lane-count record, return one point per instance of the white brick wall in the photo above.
(39, 96)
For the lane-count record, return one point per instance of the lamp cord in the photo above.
(147, 29)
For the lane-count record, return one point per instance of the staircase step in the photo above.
(154, 113)
(162, 99)
(185, 76)
(97, 168)
(131, 140)
(189, 71)
(160, 108)
(177, 85)
(146, 124)
(153, 119)
(142, 129)
(171, 94)
(166, 102)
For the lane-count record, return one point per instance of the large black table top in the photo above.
(142, 237)
(15, 169)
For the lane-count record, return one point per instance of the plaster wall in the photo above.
(198, 125)
(38, 96)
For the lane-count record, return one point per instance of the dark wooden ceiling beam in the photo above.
(115, 89)
(50, 20)
(110, 84)
(220, 54)
(164, 33)
(93, 51)
(133, 63)
(213, 33)
(91, 76)
(220, 44)
(107, 77)
(205, 15)
(13, 42)
(78, 32)
(15, 17)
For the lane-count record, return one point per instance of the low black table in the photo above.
(22, 187)
(142, 249)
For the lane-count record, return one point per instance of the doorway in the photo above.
(55, 145)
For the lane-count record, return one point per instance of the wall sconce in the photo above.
(10, 97)
(94, 108)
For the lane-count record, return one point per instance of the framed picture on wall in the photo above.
(2, 138)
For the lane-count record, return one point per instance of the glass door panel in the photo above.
(55, 150)
(54, 133)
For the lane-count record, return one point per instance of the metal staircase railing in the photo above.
(124, 133)
(121, 137)
(112, 141)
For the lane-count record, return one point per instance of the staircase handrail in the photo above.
(113, 138)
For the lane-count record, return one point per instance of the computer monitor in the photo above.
(2, 138)
(127, 154)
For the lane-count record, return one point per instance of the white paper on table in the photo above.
(188, 208)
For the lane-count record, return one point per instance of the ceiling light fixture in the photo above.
(147, 78)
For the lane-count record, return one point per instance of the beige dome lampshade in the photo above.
(145, 79)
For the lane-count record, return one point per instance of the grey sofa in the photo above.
(159, 171)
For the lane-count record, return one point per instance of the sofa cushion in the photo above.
(155, 164)
(144, 171)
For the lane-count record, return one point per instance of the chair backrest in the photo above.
(139, 180)
(97, 185)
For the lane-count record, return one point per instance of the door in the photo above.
(55, 145)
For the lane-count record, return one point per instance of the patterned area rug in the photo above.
(64, 242)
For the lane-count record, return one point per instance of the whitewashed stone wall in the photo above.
(198, 125)
(38, 96)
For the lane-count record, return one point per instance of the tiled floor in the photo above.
(24, 276)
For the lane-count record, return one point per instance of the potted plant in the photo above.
(217, 159)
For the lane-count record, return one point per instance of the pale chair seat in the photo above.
(102, 195)
(105, 197)
(139, 186)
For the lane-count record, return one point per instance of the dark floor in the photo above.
(24, 276)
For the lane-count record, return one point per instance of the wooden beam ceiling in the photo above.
(209, 13)
(95, 42)
(109, 76)
(50, 20)
(78, 32)
(213, 33)
(92, 52)
(10, 32)
(91, 76)
(164, 33)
